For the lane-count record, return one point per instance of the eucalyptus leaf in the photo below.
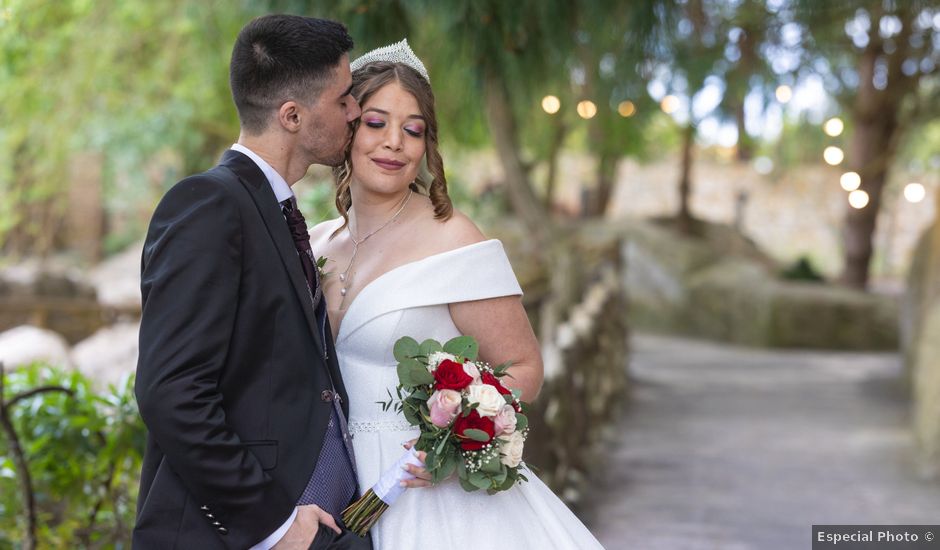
(492, 466)
(411, 415)
(463, 346)
(412, 373)
(500, 369)
(405, 348)
(477, 435)
(448, 466)
(467, 486)
(428, 347)
(480, 480)
(522, 422)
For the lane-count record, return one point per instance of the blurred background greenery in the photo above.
(799, 135)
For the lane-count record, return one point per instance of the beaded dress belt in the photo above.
(380, 426)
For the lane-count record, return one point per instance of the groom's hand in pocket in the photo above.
(310, 518)
(422, 476)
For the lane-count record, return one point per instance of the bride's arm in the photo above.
(501, 327)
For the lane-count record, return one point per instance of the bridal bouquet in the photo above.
(470, 424)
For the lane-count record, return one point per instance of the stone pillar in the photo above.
(85, 215)
(922, 323)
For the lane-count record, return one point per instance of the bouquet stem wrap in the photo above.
(361, 515)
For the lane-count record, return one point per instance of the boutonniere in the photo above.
(321, 261)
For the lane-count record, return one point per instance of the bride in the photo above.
(403, 262)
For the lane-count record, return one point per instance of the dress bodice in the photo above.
(412, 300)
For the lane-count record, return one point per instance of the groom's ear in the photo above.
(289, 115)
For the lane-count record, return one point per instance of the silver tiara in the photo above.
(399, 52)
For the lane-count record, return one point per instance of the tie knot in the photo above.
(295, 221)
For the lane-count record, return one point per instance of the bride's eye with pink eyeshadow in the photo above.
(415, 131)
(374, 123)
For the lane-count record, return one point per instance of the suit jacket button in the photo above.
(204, 508)
(223, 530)
(326, 395)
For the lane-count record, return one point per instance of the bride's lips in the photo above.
(388, 164)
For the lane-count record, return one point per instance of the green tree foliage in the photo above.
(881, 61)
(129, 79)
(83, 449)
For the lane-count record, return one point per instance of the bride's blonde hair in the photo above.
(366, 82)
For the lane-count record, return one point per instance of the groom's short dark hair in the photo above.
(277, 58)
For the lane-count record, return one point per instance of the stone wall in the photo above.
(921, 345)
(721, 287)
(53, 301)
(584, 350)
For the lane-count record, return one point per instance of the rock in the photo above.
(730, 301)
(117, 280)
(926, 393)
(809, 315)
(720, 286)
(921, 326)
(26, 344)
(108, 355)
(50, 297)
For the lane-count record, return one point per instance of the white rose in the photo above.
(473, 372)
(510, 449)
(490, 400)
(437, 357)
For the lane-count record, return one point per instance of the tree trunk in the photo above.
(875, 116)
(745, 149)
(558, 139)
(606, 175)
(871, 151)
(684, 219)
(505, 137)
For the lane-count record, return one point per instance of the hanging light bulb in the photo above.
(833, 127)
(551, 104)
(850, 181)
(587, 109)
(858, 199)
(914, 192)
(833, 155)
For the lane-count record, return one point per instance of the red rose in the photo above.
(451, 376)
(475, 422)
(488, 378)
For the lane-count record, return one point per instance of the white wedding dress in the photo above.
(412, 300)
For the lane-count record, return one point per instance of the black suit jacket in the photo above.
(232, 379)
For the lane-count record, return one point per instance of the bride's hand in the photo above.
(422, 476)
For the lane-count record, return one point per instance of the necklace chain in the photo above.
(356, 242)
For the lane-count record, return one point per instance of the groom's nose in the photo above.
(353, 110)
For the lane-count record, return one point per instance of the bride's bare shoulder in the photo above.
(457, 231)
(320, 233)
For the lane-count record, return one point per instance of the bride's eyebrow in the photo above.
(386, 113)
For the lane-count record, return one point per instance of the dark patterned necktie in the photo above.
(298, 232)
(332, 485)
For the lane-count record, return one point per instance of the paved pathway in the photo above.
(730, 448)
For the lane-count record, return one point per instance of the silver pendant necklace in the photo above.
(344, 276)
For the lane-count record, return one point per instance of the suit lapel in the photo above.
(261, 193)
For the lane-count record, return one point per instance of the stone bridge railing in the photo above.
(580, 316)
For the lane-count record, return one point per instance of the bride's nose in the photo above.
(393, 139)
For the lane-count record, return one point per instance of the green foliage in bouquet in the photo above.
(477, 469)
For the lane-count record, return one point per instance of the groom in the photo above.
(237, 379)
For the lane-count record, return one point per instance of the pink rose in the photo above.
(444, 406)
(472, 371)
(505, 421)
